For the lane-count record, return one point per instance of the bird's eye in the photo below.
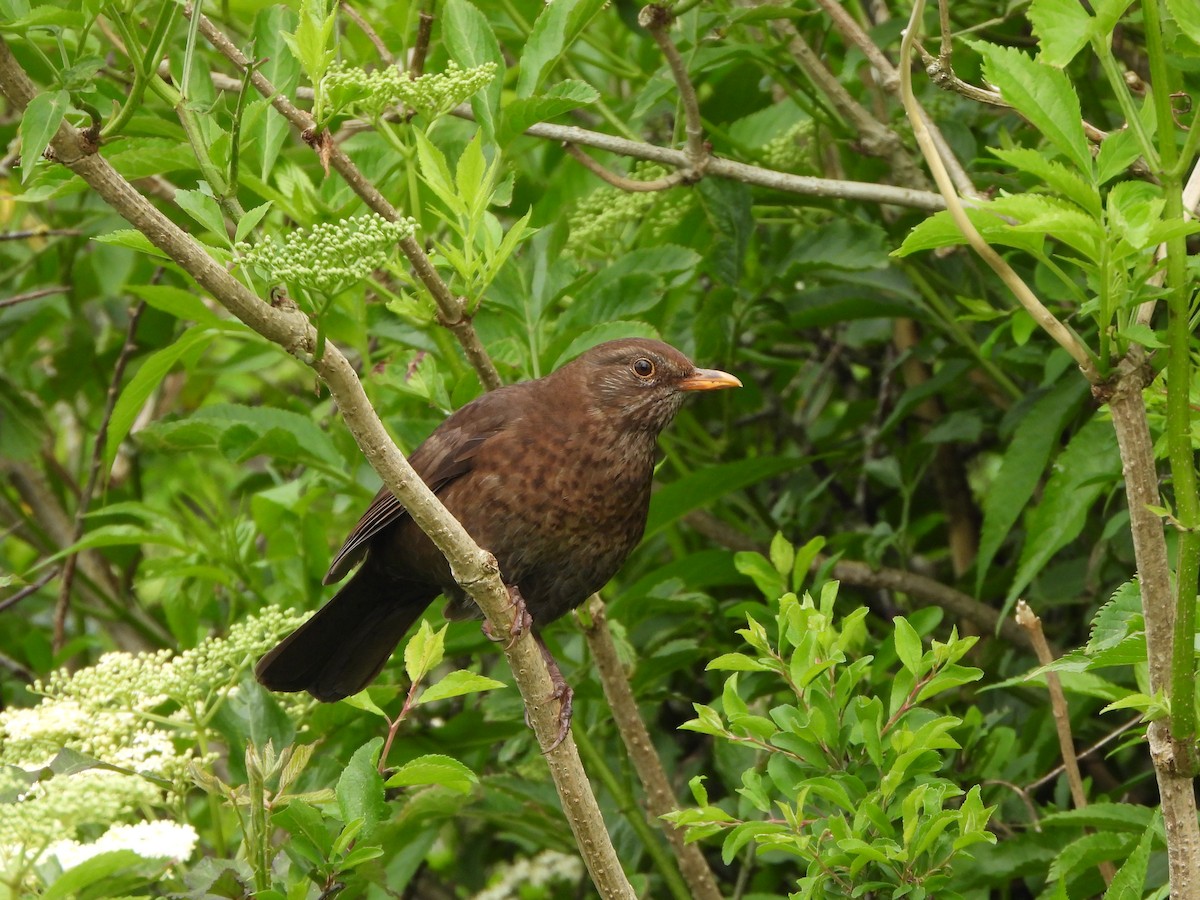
(643, 368)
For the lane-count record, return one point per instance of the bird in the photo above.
(552, 476)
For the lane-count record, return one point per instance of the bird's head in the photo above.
(641, 383)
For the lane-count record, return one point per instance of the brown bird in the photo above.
(552, 476)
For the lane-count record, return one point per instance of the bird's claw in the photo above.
(521, 623)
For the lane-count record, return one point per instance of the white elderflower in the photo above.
(538, 871)
(150, 840)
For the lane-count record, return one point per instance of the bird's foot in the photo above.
(562, 692)
(522, 620)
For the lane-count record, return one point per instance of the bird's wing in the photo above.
(445, 455)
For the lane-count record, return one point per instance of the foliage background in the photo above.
(901, 408)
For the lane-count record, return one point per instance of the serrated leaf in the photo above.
(1054, 175)
(940, 230)
(1117, 619)
(436, 769)
(558, 99)
(1063, 28)
(203, 208)
(424, 651)
(1186, 14)
(1042, 94)
(736, 662)
(250, 220)
(360, 789)
(458, 683)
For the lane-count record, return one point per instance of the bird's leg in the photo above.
(562, 692)
(522, 620)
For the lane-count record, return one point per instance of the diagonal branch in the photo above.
(473, 568)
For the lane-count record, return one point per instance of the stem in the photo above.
(1179, 419)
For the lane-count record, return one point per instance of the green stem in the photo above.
(1179, 378)
(1102, 47)
(651, 841)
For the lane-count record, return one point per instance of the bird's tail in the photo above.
(346, 643)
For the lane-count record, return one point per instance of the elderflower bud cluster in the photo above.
(371, 94)
(542, 870)
(607, 211)
(331, 255)
(790, 151)
(100, 747)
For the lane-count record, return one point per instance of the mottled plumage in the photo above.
(552, 476)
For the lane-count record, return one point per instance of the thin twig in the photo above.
(63, 604)
(1029, 620)
(1084, 754)
(416, 64)
(28, 590)
(631, 185)
(657, 20)
(39, 232)
(451, 309)
(372, 35)
(890, 81)
(916, 116)
(33, 295)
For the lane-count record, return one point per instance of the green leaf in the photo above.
(1131, 877)
(1117, 619)
(424, 651)
(1042, 94)
(1063, 28)
(203, 208)
(908, 646)
(704, 486)
(180, 303)
(148, 377)
(250, 220)
(39, 122)
(736, 662)
(1054, 174)
(360, 789)
(458, 683)
(434, 768)
(1083, 471)
(471, 43)
(764, 575)
(556, 27)
(1186, 14)
(108, 874)
(133, 239)
(940, 230)
(558, 99)
(1026, 459)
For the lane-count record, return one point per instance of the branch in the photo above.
(632, 185)
(916, 116)
(1029, 620)
(657, 20)
(891, 82)
(472, 567)
(451, 310)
